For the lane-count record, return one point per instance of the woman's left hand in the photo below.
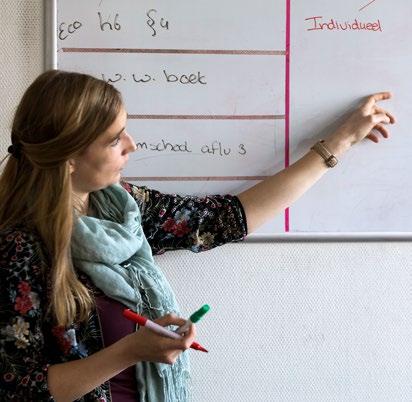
(359, 125)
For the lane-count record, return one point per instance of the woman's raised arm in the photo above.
(274, 194)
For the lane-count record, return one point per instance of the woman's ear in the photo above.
(72, 166)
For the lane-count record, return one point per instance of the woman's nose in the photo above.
(131, 145)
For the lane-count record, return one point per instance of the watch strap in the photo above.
(321, 149)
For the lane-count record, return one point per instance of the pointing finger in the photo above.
(371, 100)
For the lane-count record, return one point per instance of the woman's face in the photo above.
(101, 164)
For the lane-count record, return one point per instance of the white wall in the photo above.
(331, 321)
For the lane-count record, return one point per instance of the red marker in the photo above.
(145, 322)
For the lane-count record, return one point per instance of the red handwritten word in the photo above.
(335, 25)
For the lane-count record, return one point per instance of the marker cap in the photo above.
(197, 315)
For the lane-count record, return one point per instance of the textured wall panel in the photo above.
(21, 38)
(299, 322)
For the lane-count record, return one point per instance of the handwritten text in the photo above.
(317, 24)
(216, 148)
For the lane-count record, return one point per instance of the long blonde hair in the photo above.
(59, 116)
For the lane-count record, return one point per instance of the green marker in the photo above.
(195, 317)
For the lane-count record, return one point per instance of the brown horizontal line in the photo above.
(175, 51)
(204, 117)
(194, 178)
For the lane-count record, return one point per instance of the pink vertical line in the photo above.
(287, 102)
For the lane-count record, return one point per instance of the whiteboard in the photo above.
(221, 95)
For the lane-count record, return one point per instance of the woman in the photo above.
(76, 247)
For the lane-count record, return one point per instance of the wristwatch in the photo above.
(321, 149)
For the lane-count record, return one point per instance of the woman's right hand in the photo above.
(147, 345)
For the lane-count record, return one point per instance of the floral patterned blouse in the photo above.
(29, 342)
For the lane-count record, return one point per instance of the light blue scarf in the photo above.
(112, 250)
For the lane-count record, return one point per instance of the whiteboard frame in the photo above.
(50, 62)
(50, 34)
(326, 237)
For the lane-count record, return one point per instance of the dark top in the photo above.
(123, 386)
(29, 342)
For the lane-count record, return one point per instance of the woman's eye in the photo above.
(115, 142)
